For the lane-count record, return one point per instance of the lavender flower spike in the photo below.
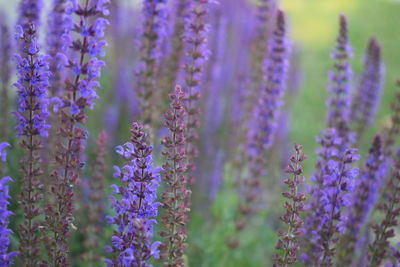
(389, 206)
(134, 203)
(174, 176)
(366, 101)
(58, 40)
(154, 12)
(174, 60)
(289, 241)
(79, 94)
(31, 115)
(362, 201)
(29, 13)
(6, 258)
(338, 103)
(265, 116)
(196, 38)
(332, 181)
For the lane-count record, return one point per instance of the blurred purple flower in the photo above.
(338, 103)
(6, 258)
(366, 100)
(362, 200)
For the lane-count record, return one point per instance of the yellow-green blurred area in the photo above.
(314, 26)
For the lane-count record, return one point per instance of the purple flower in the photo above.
(3, 152)
(195, 37)
(389, 207)
(362, 200)
(154, 24)
(338, 103)
(267, 110)
(333, 179)
(134, 202)
(366, 100)
(32, 86)
(79, 94)
(6, 258)
(266, 113)
(29, 13)
(58, 41)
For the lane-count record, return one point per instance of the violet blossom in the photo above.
(134, 202)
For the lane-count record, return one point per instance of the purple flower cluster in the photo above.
(31, 115)
(79, 94)
(32, 85)
(197, 54)
(334, 177)
(379, 249)
(6, 258)
(176, 53)
(362, 200)
(267, 110)
(338, 103)
(29, 13)
(265, 114)
(154, 12)
(366, 101)
(134, 203)
(58, 40)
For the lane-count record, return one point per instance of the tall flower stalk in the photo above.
(134, 203)
(197, 53)
(31, 115)
(176, 190)
(6, 258)
(79, 94)
(379, 249)
(58, 40)
(175, 56)
(338, 104)
(154, 15)
(366, 100)
(288, 241)
(29, 13)
(333, 181)
(264, 26)
(362, 200)
(266, 113)
(5, 74)
(334, 173)
(93, 208)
